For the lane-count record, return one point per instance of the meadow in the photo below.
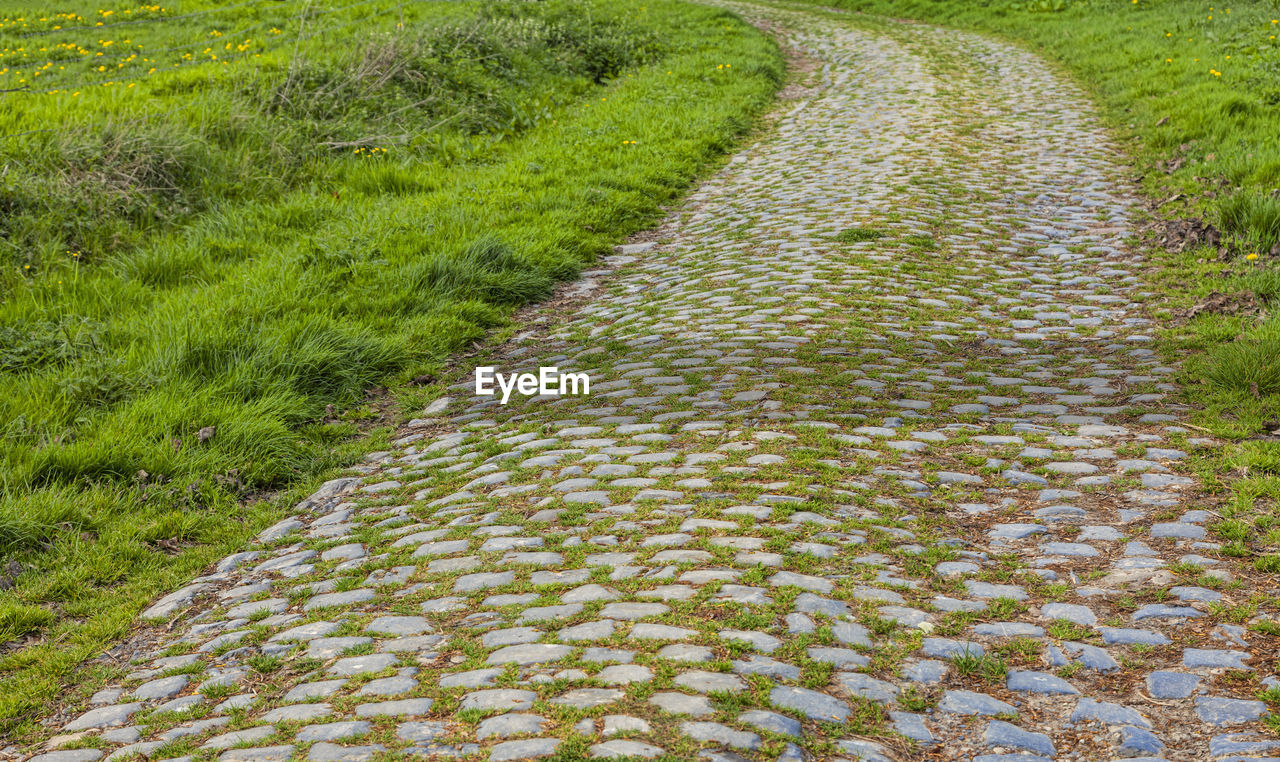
(221, 225)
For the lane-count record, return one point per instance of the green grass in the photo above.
(240, 242)
(857, 235)
(1251, 364)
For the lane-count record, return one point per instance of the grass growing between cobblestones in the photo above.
(1194, 86)
(305, 222)
(1193, 90)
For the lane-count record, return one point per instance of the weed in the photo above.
(984, 665)
(857, 235)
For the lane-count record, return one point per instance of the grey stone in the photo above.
(912, 726)
(421, 732)
(333, 731)
(1171, 685)
(587, 698)
(532, 748)
(69, 755)
(812, 704)
(1041, 683)
(413, 707)
(857, 684)
(361, 665)
(161, 688)
(507, 725)
(1116, 635)
(260, 754)
(529, 653)
(1071, 612)
(1108, 713)
(308, 691)
(499, 699)
(103, 717)
(399, 625)
(710, 682)
(296, 713)
(1138, 742)
(679, 703)
(1208, 658)
(771, 721)
(1000, 733)
(625, 749)
(348, 598)
(715, 732)
(329, 752)
(968, 702)
(238, 737)
(1225, 711)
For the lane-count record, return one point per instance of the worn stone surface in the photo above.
(870, 405)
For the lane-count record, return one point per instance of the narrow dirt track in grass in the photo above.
(879, 462)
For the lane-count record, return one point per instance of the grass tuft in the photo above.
(1250, 365)
(1253, 216)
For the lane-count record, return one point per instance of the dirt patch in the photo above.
(1187, 233)
(1217, 303)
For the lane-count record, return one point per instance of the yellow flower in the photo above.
(1251, 257)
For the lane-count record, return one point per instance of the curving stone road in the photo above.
(879, 463)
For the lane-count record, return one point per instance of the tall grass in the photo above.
(237, 246)
(1253, 216)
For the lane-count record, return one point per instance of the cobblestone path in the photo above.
(879, 463)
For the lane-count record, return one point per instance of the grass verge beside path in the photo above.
(210, 262)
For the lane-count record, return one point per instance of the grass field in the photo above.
(220, 224)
